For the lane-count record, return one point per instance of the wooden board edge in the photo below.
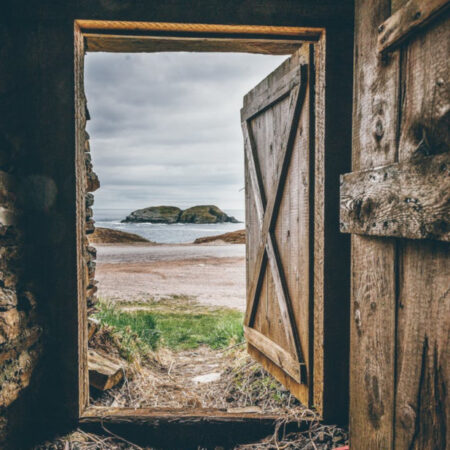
(96, 42)
(412, 16)
(80, 183)
(94, 413)
(181, 428)
(387, 214)
(205, 28)
(275, 353)
(272, 95)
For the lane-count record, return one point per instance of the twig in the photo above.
(120, 438)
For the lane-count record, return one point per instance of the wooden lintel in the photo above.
(130, 43)
(112, 26)
(410, 200)
(414, 15)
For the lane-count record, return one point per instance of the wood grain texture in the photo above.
(373, 266)
(80, 177)
(423, 367)
(410, 200)
(262, 100)
(182, 429)
(407, 20)
(276, 134)
(275, 353)
(104, 372)
(88, 26)
(138, 44)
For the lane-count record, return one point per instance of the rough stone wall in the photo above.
(20, 331)
(90, 253)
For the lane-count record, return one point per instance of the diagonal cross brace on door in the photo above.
(267, 206)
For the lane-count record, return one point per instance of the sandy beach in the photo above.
(211, 274)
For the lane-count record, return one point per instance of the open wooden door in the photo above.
(277, 126)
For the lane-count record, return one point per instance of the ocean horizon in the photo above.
(178, 233)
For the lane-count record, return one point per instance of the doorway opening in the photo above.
(166, 321)
(282, 120)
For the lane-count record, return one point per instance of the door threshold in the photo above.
(182, 428)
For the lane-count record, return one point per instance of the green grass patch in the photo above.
(216, 328)
(177, 323)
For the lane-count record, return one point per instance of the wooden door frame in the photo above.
(94, 35)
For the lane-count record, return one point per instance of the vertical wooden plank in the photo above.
(331, 253)
(317, 301)
(80, 188)
(373, 290)
(292, 225)
(423, 341)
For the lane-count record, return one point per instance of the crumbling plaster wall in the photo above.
(38, 246)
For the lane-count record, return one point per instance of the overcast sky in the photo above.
(165, 127)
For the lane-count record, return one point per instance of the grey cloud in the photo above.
(165, 127)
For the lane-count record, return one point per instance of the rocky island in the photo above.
(172, 214)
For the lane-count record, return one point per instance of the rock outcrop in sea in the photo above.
(155, 214)
(172, 214)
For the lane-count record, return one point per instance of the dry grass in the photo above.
(169, 381)
(243, 383)
(165, 377)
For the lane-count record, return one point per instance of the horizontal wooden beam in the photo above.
(127, 36)
(181, 428)
(414, 15)
(168, 27)
(276, 354)
(410, 200)
(120, 43)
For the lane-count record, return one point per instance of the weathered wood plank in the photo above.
(273, 94)
(276, 354)
(183, 428)
(272, 134)
(137, 44)
(268, 246)
(81, 364)
(373, 292)
(104, 372)
(276, 189)
(88, 26)
(405, 21)
(423, 314)
(408, 200)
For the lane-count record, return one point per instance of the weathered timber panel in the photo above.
(276, 130)
(400, 291)
(409, 199)
(423, 315)
(373, 295)
(130, 44)
(408, 19)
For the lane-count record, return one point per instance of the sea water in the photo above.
(178, 233)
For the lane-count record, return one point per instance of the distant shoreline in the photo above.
(110, 236)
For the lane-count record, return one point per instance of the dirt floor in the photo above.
(212, 274)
